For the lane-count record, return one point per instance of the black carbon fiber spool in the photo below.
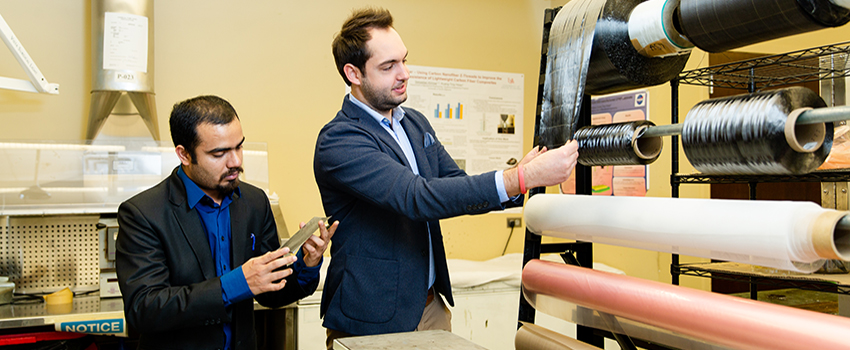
(617, 144)
(745, 134)
(590, 52)
(615, 65)
(717, 26)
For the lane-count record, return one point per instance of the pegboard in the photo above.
(43, 254)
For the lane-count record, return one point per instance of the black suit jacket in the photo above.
(378, 275)
(167, 273)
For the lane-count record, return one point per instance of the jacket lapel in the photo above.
(356, 113)
(417, 142)
(191, 226)
(238, 236)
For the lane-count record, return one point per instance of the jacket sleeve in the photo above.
(353, 160)
(151, 303)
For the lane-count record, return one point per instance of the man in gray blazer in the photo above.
(195, 250)
(383, 173)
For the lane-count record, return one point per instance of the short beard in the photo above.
(379, 100)
(231, 186)
(227, 190)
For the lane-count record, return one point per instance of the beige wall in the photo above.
(272, 60)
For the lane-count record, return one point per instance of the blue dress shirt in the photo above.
(216, 220)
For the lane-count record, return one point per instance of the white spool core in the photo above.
(652, 32)
(841, 241)
(829, 239)
(803, 138)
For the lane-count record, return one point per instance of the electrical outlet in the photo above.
(514, 222)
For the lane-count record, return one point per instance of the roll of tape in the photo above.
(615, 65)
(653, 31)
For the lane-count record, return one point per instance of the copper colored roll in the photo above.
(533, 337)
(730, 321)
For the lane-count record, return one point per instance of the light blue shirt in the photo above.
(397, 132)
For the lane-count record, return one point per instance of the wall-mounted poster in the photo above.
(477, 115)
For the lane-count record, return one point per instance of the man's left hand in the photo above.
(315, 247)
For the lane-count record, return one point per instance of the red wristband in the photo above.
(522, 188)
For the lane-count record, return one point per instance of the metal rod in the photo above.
(663, 130)
(812, 116)
(824, 115)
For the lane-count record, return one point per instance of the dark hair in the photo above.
(187, 115)
(349, 45)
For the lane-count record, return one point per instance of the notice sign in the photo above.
(477, 115)
(114, 326)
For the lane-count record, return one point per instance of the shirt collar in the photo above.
(194, 194)
(398, 112)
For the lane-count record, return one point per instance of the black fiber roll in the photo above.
(746, 134)
(717, 26)
(590, 52)
(567, 57)
(617, 144)
(615, 65)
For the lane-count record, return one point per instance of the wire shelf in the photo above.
(814, 64)
(817, 176)
(706, 270)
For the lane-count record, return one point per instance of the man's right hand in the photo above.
(552, 167)
(260, 271)
(543, 168)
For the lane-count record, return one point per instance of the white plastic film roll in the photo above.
(652, 31)
(794, 236)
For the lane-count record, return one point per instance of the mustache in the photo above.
(232, 171)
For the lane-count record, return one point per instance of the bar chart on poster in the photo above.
(477, 115)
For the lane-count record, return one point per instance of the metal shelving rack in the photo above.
(791, 281)
(752, 75)
(770, 71)
(578, 253)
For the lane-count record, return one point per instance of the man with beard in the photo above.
(195, 249)
(382, 171)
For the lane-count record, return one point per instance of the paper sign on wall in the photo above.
(477, 115)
